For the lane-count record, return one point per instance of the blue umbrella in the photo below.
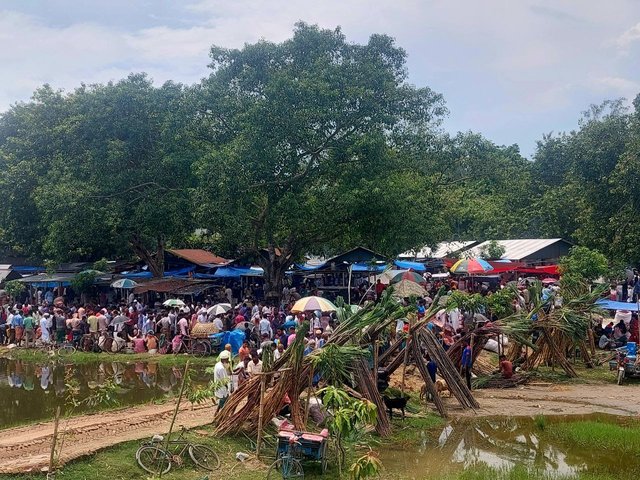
(124, 283)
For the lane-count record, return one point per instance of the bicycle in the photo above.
(194, 346)
(287, 466)
(63, 350)
(155, 459)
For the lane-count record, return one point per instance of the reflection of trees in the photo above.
(21, 400)
(506, 442)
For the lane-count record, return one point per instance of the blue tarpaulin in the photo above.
(170, 273)
(234, 338)
(237, 272)
(415, 266)
(367, 267)
(611, 305)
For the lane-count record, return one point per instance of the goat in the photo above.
(398, 403)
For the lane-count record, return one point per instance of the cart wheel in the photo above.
(620, 376)
(285, 468)
(200, 349)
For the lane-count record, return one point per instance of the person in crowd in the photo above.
(221, 378)
(139, 343)
(506, 367)
(244, 351)
(467, 363)
(255, 365)
(29, 329)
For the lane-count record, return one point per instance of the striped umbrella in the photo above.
(408, 276)
(124, 283)
(406, 288)
(471, 266)
(311, 304)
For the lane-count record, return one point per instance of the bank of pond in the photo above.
(423, 446)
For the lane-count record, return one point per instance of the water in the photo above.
(31, 392)
(502, 443)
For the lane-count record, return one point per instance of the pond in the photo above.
(31, 392)
(504, 443)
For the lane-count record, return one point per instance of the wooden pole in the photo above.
(263, 382)
(175, 410)
(54, 440)
(375, 362)
(404, 364)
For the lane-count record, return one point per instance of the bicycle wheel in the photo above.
(285, 468)
(153, 459)
(200, 349)
(204, 457)
(66, 350)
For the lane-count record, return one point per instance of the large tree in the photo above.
(98, 172)
(298, 146)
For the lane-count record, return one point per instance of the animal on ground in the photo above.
(441, 388)
(399, 403)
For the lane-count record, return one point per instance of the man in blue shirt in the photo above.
(17, 325)
(467, 362)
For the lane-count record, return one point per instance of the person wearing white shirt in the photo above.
(265, 327)
(220, 376)
(218, 323)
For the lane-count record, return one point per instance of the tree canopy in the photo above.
(312, 145)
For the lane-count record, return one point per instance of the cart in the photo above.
(309, 446)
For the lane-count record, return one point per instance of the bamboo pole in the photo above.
(263, 383)
(175, 410)
(54, 440)
(375, 362)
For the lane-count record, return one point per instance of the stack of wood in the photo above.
(363, 328)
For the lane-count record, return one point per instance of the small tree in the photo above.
(583, 265)
(83, 281)
(492, 251)
(14, 288)
(101, 265)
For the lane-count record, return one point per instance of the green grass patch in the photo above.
(415, 430)
(620, 440)
(39, 356)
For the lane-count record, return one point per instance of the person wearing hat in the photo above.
(221, 376)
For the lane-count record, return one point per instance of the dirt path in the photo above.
(26, 449)
(555, 400)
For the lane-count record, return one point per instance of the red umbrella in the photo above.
(408, 275)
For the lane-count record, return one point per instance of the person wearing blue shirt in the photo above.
(17, 325)
(467, 363)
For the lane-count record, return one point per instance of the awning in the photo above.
(237, 272)
(406, 265)
(611, 305)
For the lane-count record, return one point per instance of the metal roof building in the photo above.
(442, 250)
(530, 250)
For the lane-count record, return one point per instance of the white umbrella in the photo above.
(174, 302)
(124, 283)
(219, 309)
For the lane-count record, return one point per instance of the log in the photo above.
(424, 372)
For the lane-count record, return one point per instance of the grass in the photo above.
(618, 439)
(519, 472)
(591, 376)
(38, 356)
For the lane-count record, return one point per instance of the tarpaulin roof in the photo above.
(171, 273)
(406, 265)
(541, 270)
(611, 305)
(236, 272)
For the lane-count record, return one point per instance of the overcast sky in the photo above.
(510, 69)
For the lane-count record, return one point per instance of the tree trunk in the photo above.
(275, 262)
(155, 262)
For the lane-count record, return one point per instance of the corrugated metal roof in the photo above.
(199, 257)
(442, 250)
(517, 249)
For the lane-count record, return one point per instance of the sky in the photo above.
(512, 70)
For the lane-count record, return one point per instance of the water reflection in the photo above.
(31, 392)
(502, 443)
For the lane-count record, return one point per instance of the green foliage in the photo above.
(492, 251)
(335, 362)
(14, 288)
(101, 265)
(366, 466)
(83, 281)
(583, 264)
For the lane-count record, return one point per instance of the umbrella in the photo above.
(124, 283)
(407, 288)
(386, 276)
(174, 302)
(407, 276)
(549, 280)
(471, 266)
(219, 309)
(308, 304)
